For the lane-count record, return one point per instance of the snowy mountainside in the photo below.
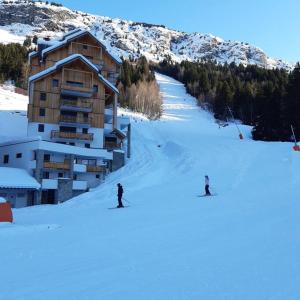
(20, 18)
(169, 244)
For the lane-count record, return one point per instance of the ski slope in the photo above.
(169, 244)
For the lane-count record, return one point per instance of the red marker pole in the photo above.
(296, 146)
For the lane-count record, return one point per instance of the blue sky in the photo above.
(272, 25)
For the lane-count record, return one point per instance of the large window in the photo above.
(43, 96)
(6, 159)
(75, 83)
(42, 112)
(95, 88)
(19, 155)
(41, 128)
(55, 82)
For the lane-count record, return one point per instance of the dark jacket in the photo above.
(120, 190)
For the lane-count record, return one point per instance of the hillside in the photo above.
(169, 244)
(20, 18)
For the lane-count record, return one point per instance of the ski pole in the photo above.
(126, 200)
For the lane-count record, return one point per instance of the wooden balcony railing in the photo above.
(57, 165)
(112, 145)
(77, 104)
(72, 135)
(95, 169)
(75, 119)
(77, 80)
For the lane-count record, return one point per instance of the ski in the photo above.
(116, 207)
(212, 195)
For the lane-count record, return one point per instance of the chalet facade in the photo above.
(74, 134)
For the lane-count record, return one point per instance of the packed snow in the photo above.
(169, 243)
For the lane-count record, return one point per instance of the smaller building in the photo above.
(62, 171)
(18, 187)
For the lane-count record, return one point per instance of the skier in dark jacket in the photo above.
(120, 194)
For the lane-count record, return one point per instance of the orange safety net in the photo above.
(6, 212)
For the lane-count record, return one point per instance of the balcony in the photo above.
(75, 120)
(79, 185)
(77, 83)
(95, 169)
(79, 105)
(49, 184)
(71, 135)
(57, 165)
(80, 168)
(112, 145)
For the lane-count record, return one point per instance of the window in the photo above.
(75, 83)
(60, 175)
(84, 130)
(67, 129)
(43, 96)
(42, 112)
(75, 177)
(84, 46)
(46, 175)
(20, 195)
(19, 155)
(87, 145)
(72, 144)
(55, 82)
(97, 176)
(47, 157)
(95, 88)
(41, 128)
(6, 159)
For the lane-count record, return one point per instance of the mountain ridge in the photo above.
(20, 18)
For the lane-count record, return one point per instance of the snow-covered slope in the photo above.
(13, 118)
(169, 244)
(19, 18)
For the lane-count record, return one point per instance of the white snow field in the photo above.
(243, 243)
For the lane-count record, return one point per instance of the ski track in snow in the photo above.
(169, 244)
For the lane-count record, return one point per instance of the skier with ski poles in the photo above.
(120, 194)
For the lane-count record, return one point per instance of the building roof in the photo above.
(73, 34)
(69, 59)
(79, 151)
(15, 178)
(60, 148)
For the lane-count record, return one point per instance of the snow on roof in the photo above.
(67, 60)
(72, 35)
(21, 141)
(17, 179)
